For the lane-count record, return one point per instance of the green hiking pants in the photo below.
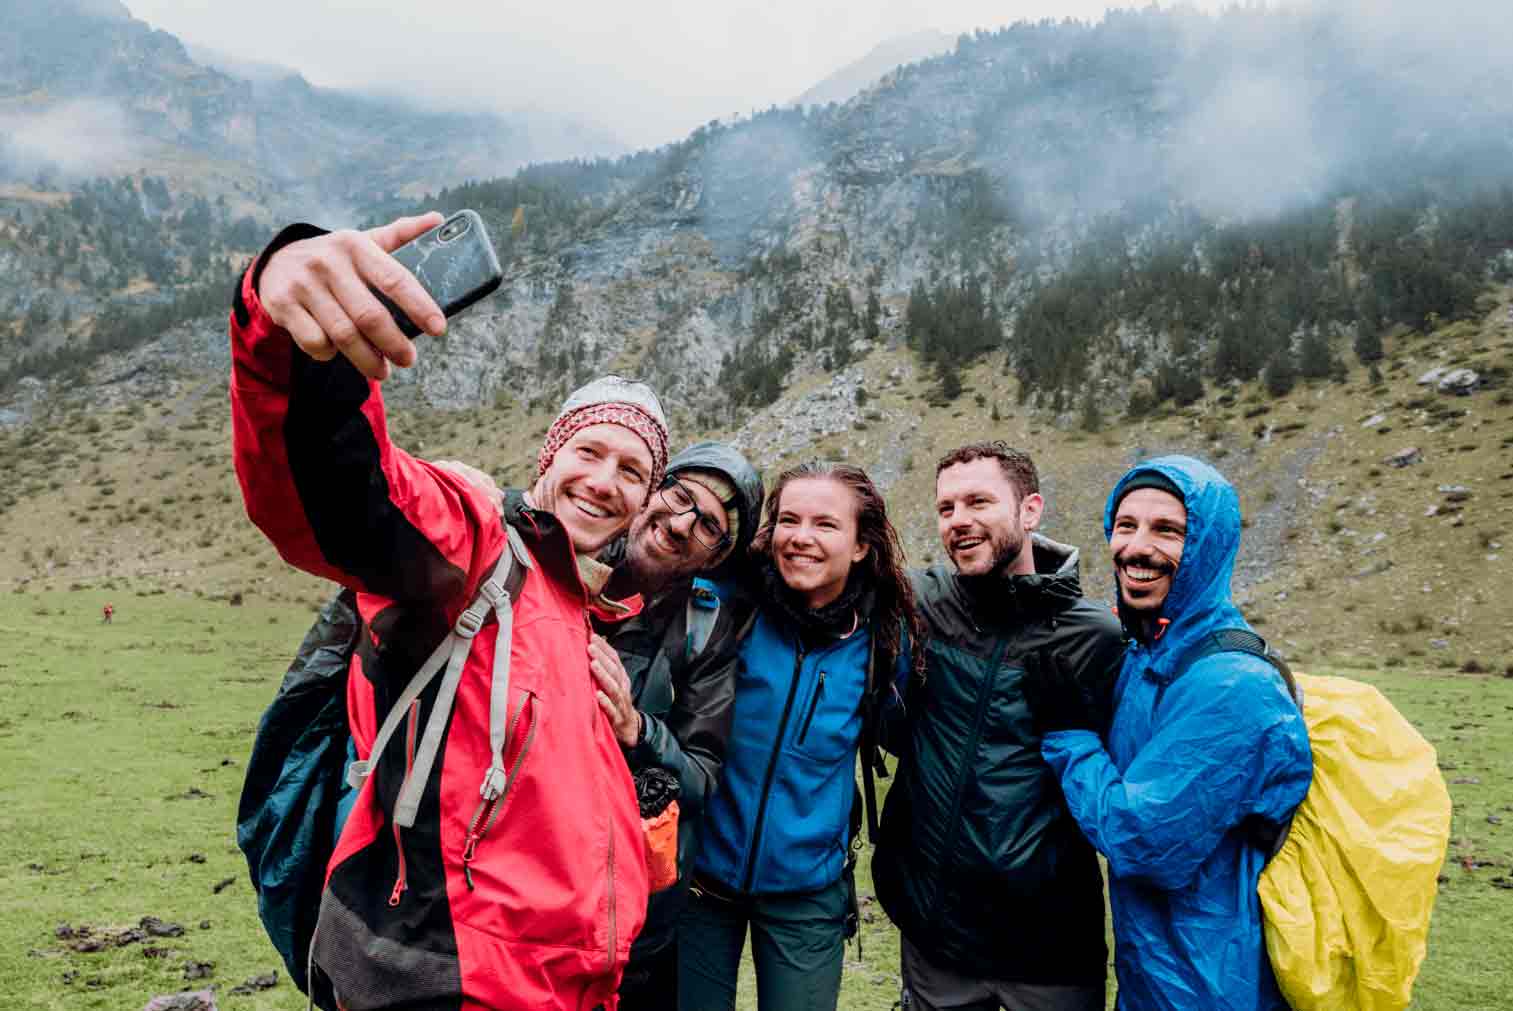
(797, 942)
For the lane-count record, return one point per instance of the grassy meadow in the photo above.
(121, 758)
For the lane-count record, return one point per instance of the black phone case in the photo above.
(456, 272)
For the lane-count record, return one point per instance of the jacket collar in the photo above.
(550, 545)
(991, 601)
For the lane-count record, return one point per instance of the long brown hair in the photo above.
(882, 566)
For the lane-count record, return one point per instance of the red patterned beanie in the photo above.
(610, 400)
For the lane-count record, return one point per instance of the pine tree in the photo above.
(1368, 343)
(1317, 361)
(1281, 373)
(950, 382)
(1092, 414)
(872, 326)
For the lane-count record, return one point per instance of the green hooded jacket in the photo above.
(978, 862)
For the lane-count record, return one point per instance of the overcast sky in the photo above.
(648, 72)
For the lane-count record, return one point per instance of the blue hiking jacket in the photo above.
(1187, 761)
(780, 820)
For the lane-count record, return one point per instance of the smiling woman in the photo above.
(833, 600)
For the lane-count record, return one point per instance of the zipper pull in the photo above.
(399, 889)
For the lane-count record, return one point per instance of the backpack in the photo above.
(864, 796)
(1351, 878)
(303, 771)
(703, 614)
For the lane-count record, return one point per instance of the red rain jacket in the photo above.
(542, 914)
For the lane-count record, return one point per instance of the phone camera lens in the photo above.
(452, 229)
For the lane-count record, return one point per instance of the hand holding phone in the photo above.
(454, 262)
(324, 290)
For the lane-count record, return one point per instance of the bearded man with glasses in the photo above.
(668, 697)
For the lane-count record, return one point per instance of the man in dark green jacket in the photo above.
(668, 695)
(996, 892)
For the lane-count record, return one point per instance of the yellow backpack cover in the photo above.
(1347, 897)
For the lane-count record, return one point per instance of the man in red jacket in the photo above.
(493, 858)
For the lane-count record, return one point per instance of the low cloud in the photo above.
(75, 139)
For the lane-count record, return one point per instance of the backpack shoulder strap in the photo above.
(871, 754)
(495, 593)
(703, 613)
(1236, 640)
(1266, 835)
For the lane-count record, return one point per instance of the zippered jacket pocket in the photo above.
(814, 704)
(521, 735)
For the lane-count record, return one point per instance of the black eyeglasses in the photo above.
(706, 528)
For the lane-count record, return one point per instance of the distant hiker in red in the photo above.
(471, 874)
(107, 614)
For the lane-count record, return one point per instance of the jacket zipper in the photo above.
(983, 694)
(399, 848)
(483, 815)
(610, 961)
(814, 704)
(588, 625)
(772, 764)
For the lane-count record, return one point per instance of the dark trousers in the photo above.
(797, 943)
(931, 987)
(651, 983)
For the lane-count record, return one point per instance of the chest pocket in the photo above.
(1008, 719)
(827, 713)
(655, 692)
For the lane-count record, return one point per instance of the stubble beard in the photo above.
(1006, 549)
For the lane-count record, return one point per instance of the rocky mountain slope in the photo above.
(87, 90)
(1377, 513)
(1070, 236)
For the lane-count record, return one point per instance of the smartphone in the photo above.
(454, 262)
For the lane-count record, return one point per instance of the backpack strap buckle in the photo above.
(470, 621)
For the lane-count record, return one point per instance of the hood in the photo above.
(1200, 596)
(722, 459)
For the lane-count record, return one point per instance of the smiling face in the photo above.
(984, 525)
(814, 538)
(1149, 531)
(597, 481)
(662, 545)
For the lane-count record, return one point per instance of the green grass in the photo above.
(107, 730)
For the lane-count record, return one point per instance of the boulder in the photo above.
(190, 1000)
(1405, 457)
(1432, 376)
(1462, 382)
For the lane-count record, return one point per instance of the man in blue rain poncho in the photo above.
(1192, 765)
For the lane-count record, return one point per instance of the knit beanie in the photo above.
(610, 400)
(722, 488)
(1152, 479)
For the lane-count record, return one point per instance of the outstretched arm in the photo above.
(318, 473)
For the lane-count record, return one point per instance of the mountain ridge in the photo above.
(1007, 238)
(844, 84)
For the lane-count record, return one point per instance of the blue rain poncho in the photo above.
(1186, 763)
